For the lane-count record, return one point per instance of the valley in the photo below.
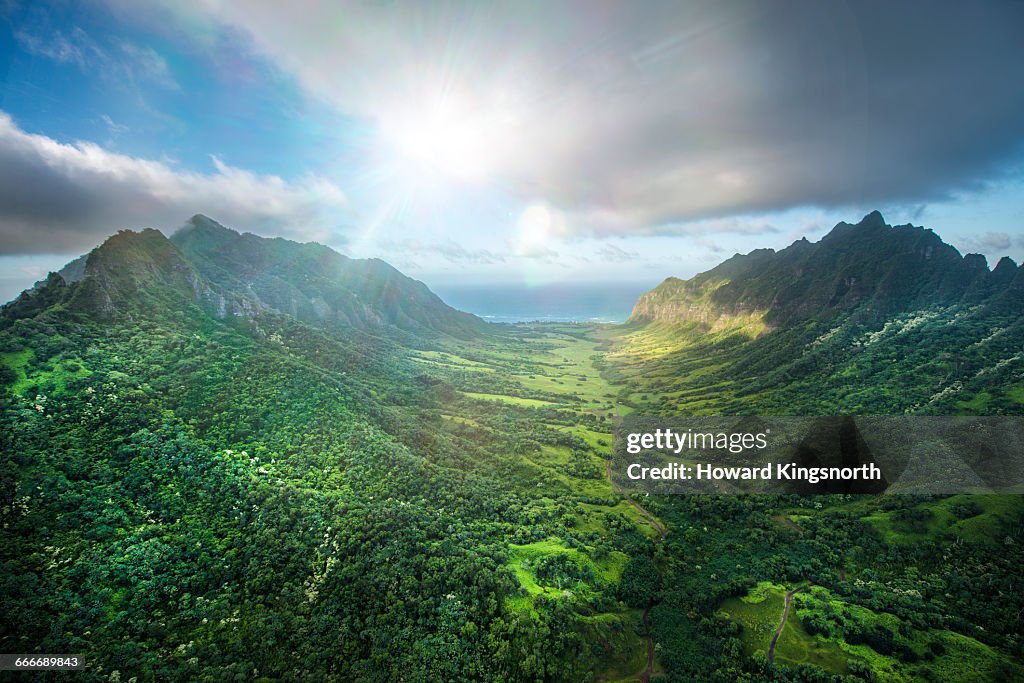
(204, 478)
(551, 372)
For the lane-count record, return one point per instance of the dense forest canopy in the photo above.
(233, 458)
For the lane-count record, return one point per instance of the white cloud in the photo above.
(75, 48)
(450, 250)
(124, 62)
(65, 198)
(114, 127)
(710, 245)
(992, 244)
(610, 252)
(145, 63)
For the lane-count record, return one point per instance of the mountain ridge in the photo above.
(869, 269)
(230, 274)
(315, 284)
(169, 470)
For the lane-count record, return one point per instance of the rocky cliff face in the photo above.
(132, 269)
(214, 270)
(315, 284)
(870, 270)
(131, 273)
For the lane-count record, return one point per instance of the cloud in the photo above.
(114, 127)
(66, 198)
(644, 117)
(710, 245)
(538, 252)
(75, 48)
(450, 250)
(988, 243)
(995, 240)
(123, 62)
(610, 252)
(145, 63)
(736, 225)
(456, 253)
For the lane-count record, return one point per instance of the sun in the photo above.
(454, 141)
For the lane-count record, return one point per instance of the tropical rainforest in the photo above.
(226, 457)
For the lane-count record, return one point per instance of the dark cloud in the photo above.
(642, 116)
(61, 198)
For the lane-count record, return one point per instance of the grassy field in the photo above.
(553, 369)
(51, 378)
(938, 653)
(759, 613)
(505, 398)
(963, 516)
(17, 361)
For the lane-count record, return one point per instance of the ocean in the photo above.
(591, 303)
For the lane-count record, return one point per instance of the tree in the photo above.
(640, 583)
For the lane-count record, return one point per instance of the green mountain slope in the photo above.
(131, 273)
(198, 484)
(225, 457)
(872, 319)
(870, 271)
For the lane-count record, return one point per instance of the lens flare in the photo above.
(451, 139)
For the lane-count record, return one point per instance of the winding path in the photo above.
(645, 675)
(782, 624)
(651, 519)
(790, 523)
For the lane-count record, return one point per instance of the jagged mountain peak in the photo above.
(203, 228)
(131, 273)
(873, 218)
(202, 222)
(1005, 265)
(315, 284)
(872, 221)
(870, 268)
(140, 255)
(206, 266)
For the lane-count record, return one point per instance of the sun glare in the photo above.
(538, 226)
(460, 146)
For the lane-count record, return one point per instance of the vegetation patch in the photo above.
(511, 400)
(759, 613)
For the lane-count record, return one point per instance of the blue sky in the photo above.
(522, 142)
